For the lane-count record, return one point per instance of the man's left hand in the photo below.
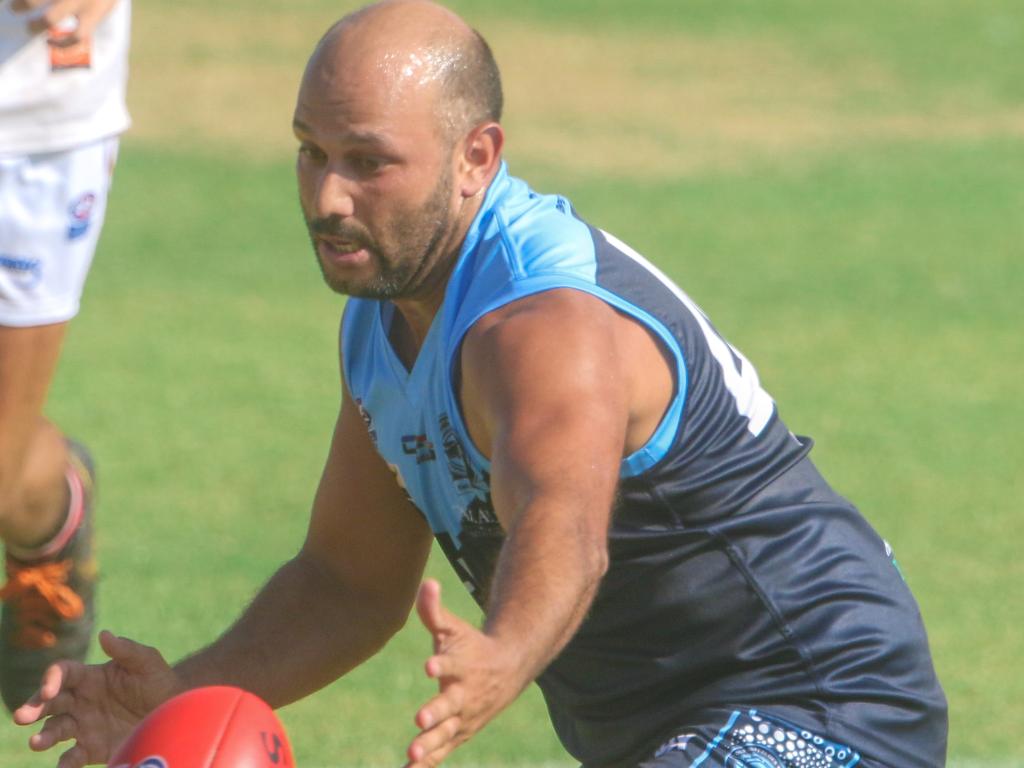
(478, 677)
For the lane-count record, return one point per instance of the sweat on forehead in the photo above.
(407, 46)
(404, 42)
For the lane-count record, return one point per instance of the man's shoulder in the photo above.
(534, 232)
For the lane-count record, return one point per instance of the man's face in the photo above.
(375, 180)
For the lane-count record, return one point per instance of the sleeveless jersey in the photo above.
(737, 576)
(56, 100)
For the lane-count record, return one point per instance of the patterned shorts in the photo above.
(751, 739)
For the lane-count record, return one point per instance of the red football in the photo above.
(213, 727)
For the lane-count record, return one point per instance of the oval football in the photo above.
(209, 727)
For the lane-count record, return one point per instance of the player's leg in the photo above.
(51, 211)
(33, 455)
(44, 502)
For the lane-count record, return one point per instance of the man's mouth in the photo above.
(341, 246)
(340, 250)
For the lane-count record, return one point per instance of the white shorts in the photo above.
(51, 213)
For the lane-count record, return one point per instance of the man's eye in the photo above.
(366, 165)
(311, 152)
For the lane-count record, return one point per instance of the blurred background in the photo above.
(839, 185)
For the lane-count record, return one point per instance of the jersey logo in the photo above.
(464, 477)
(418, 446)
(480, 535)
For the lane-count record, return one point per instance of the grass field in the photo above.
(838, 185)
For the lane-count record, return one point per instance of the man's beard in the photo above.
(416, 235)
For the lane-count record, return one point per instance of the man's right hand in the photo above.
(98, 705)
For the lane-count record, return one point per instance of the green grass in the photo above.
(875, 283)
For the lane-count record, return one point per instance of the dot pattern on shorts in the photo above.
(759, 743)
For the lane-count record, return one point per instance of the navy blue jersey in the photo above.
(737, 577)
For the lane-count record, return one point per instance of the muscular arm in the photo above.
(348, 590)
(545, 395)
(555, 388)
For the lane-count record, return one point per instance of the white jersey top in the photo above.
(52, 100)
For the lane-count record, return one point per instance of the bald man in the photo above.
(647, 539)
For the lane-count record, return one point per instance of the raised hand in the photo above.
(98, 705)
(88, 12)
(477, 676)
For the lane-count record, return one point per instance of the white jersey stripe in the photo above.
(741, 380)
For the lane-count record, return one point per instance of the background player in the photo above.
(63, 65)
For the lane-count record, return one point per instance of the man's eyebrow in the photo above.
(354, 137)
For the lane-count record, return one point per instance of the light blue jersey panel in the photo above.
(520, 243)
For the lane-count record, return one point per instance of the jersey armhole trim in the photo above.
(657, 446)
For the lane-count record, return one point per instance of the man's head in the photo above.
(397, 118)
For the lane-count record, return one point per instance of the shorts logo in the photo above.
(81, 214)
(27, 272)
(675, 744)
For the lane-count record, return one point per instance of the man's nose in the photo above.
(334, 194)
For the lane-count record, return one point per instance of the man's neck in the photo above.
(418, 311)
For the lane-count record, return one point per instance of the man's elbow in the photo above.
(390, 622)
(596, 561)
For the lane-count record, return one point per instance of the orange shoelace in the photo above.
(41, 598)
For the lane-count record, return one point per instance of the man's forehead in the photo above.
(365, 116)
(390, 70)
(396, 91)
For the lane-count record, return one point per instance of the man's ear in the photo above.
(480, 157)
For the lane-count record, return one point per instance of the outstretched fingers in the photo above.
(31, 712)
(442, 666)
(444, 706)
(446, 629)
(431, 610)
(63, 677)
(56, 729)
(76, 757)
(129, 654)
(134, 658)
(441, 720)
(431, 747)
(50, 699)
